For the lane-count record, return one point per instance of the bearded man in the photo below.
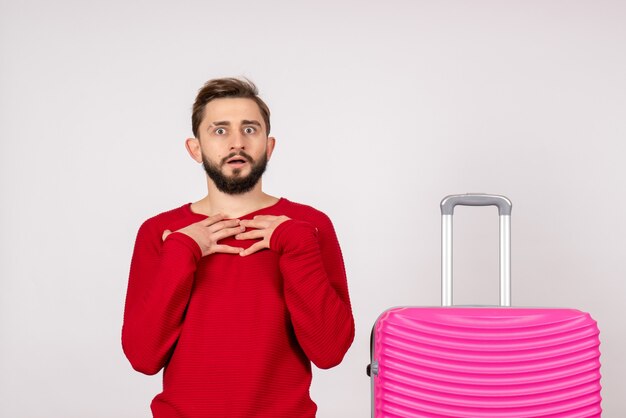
(234, 295)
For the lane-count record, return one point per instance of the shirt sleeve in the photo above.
(159, 287)
(316, 289)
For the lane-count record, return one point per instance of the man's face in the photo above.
(234, 145)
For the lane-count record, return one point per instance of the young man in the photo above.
(236, 294)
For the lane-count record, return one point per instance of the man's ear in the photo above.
(193, 148)
(271, 143)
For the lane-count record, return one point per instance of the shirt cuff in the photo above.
(292, 235)
(178, 238)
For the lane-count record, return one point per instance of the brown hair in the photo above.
(226, 87)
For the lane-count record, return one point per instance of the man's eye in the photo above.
(220, 131)
(249, 130)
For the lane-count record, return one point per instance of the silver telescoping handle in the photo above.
(504, 211)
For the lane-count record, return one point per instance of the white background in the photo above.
(380, 110)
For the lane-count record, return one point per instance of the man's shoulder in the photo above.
(296, 207)
(304, 212)
(173, 218)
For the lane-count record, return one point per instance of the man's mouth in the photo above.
(236, 161)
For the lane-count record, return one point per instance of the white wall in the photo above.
(380, 110)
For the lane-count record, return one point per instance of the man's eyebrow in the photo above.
(243, 122)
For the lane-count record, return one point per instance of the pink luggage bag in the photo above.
(483, 362)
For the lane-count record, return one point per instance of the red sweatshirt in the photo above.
(236, 335)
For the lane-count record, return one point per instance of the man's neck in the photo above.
(233, 206)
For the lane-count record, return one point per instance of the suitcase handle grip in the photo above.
(476, 199)
(504, 211)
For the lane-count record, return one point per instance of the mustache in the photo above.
(243, 154)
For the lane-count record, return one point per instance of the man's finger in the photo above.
(265, 217)
(227, 249)
(212, 219)
(227, 232)
(229, 223)
(254, 223)
(253, 234)
(253, 248)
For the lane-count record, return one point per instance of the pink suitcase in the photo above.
(482, 362)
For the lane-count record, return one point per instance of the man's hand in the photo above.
(265, 226)
(209, 231)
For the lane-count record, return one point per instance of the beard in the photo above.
(235, 184)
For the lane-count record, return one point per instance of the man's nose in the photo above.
(237, 141)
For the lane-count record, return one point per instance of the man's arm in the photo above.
(315, 285)
(159, 286)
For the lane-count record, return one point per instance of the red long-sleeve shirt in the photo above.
(237, 335)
